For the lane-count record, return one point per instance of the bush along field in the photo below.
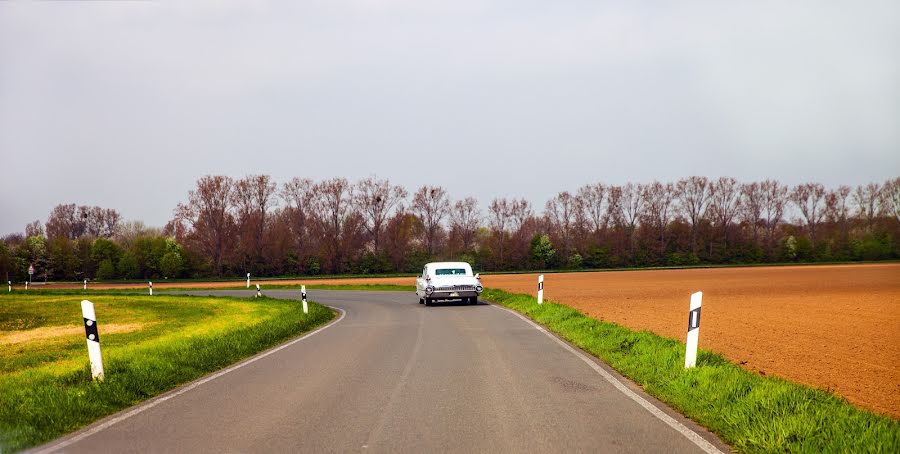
(150, 345)
(751, 412)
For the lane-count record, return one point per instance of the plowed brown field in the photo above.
(833, 327)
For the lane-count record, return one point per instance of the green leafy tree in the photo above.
(128, 266)
(541, 250)
(575, 261)
(106, 271)
(313, 267)
(34, 252)
(6, 262)
(62, 259)
(171, 264)
(104, 249)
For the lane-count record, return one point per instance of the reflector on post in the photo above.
(693, 335)
(541, 289)
(303, 297)
(93, 339)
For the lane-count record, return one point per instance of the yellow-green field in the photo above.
(150, 345)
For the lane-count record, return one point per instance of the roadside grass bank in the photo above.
(250, 291)
(752, 413)
(150, 345)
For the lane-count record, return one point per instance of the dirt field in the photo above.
(834, 327)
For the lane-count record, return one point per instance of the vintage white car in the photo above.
(441, 281)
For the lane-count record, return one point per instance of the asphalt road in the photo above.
(396, 376)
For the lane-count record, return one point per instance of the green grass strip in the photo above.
(46, 388)
(750, 412)
(250, 291)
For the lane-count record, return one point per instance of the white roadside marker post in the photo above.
(303, 297)
(693, 335)
(541, 289)
(85, 284)
(93, 339)
(151, 288)
(258, 293)
(248, 280)
(26, 285)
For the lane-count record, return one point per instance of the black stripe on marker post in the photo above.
(540, 285)
(693, 322)
(90, 330)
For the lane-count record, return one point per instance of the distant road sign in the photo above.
(30, 269)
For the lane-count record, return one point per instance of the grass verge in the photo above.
(250, 291)
(150, 345)
(750, 412)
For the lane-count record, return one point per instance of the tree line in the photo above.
(227, 227)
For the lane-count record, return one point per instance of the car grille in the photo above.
(455, 288)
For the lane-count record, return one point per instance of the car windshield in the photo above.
(451, 272)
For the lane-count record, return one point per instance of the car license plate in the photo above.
(454, 294)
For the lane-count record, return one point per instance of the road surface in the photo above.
(392, 375)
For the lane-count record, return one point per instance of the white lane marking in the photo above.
(659, 414)
(140, 408)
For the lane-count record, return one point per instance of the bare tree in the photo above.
(751, 207)
(809, 199)
(614, 199)
(299, 196)
(593, 200)
(560, 212)
(631, 207)
(376, 199)
(399, 234)
(110, 220)
(658, 198)
(34, 229)
(724, 204)
(64, 221)
(774, 200)
(519, 212)
(128, 232)
(837, 210)
(500, 215)
(431, 204)
(866, 199)
(73, 222)
(253, 197)
(208, 217)
(465, 218)
(335, 201)
(693, 195)
(891, 198)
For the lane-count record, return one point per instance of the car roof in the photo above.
(448, 265)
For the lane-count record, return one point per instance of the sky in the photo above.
(126, 104)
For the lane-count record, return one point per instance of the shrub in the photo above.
(106, 271)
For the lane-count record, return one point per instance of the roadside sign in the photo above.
(30, 269)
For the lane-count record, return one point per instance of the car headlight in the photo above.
(429, 290)
(479, 289)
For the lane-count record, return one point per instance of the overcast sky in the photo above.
(125, 104)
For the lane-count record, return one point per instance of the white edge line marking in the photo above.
(670, 421)
(140, 408)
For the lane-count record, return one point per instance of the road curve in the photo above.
(396, 376)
